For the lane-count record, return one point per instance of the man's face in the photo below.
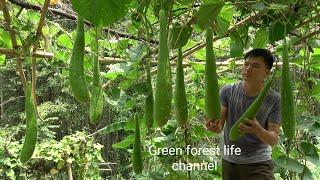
(254, 69)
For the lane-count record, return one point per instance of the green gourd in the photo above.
(97, 98)
(149, 102)
(163, 94)
(212, 99)
(287, 101)
(251, 112)
(32, 127)
(180, 93)
(76, 69)
(137, 155)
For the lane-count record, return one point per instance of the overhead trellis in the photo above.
(271, 21)
(259, 13)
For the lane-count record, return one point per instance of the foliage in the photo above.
(51, 158)
(131, 31)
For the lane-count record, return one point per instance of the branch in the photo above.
(74, 17)
(38, 54)
(111, 60)
(35, 47)
(7, 19)
(70, 177)
(307, 21)
(231, 29)
(9, 100)
(304, 38)
(41, 22)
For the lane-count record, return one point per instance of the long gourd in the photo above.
(251, 112)
(137, 162)
(181, 103)
(212, 99)
(287, 101)
(149, 101)
(96, 99)
(76, 69)
(163, 94)
(32, 127)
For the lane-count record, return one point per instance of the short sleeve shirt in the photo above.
(252, 148)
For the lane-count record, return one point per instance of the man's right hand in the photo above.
(214, 125)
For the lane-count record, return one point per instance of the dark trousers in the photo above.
(255, 171)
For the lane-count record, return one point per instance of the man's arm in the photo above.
(268, 136)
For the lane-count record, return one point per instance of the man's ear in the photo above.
(268, 72)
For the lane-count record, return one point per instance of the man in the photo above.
(260, 133)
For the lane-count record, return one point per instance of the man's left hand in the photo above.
(251, 126)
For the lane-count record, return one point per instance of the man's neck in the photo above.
(252, 88)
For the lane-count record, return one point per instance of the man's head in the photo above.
(257, 65)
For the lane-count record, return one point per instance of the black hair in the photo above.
(265, 54)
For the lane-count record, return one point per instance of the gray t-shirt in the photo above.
(252, 148)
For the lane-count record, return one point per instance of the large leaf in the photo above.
(315, 128)
(179, 35)
(112, 127)
(289, 164)
(2, 59)
(5, 39)
(276, 31)
(224, 18)
(310, 151)
(277, 152)
(236, 45)
(125, 143)
(306, 175)
(101, 12)
(261, 38)
(208, 12)
(65, 41)
(198, 132)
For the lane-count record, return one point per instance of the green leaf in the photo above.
(310, 151)
(179, 35)
(65, 41)
(261, 38)
(112, 127)
(101, 12)
(306, 175)
(208, 12)
(2, 59)
(199, 68)
(305, 122)
(289, 164)
(276, 152)
(276, 31)
(199, 132)
(315, 43)
(125, 143)
(224, 19)
(114, 93)
(259, 6)
(62, 55)
(116, 70)
(5, 38)
(315, 128)
(236, 45)
(130, 126)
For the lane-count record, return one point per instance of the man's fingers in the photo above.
(216, 122)
(250, 122)
(243, 127)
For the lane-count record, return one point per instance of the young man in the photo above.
(254, 161)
